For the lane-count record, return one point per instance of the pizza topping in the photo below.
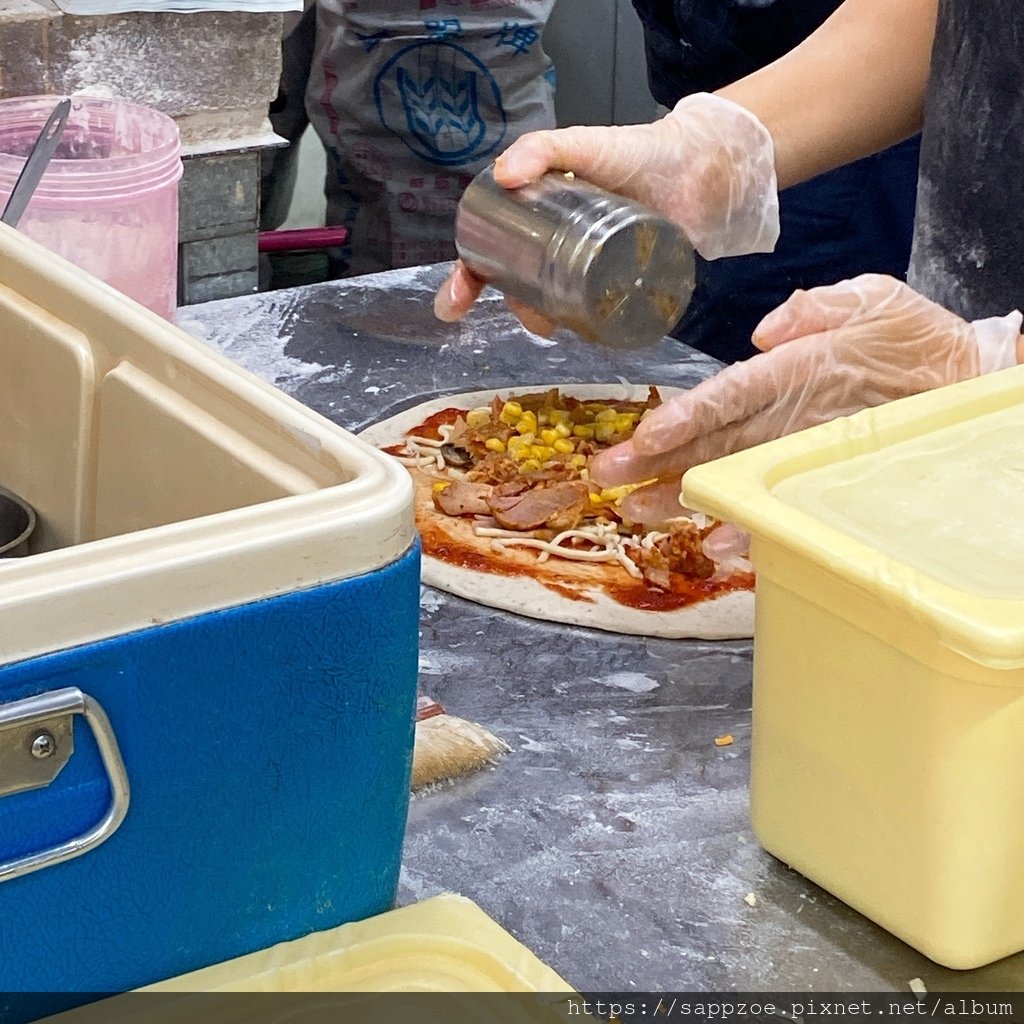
(559, 506)
(545, 436)
(494, 468)
(455, 456)
(511, 488)
(427, 453)
(726, 542)
(430, 442)
(728, 547)
(462, 498)
(519, 468)
(680, 550)
(597, 542)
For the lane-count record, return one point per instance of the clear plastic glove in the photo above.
(709, 165)
(827, 352)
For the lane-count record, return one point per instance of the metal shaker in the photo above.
(604, 266)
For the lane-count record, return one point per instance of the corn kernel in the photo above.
(511, 411)
(529, 465)
(528, 438)
(563, 429)
(583, 430)
(478, 417)
(579, 461)
(441, 485)
(542, 416)
(557, 416)
(494, 444)
(548, 436)
(560, 444)
(604, 430)
(542, 452)
(519, 453)
(606, 416)
(623, 422)
(596, 499)
(526, 425)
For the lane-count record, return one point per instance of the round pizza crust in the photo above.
(727, 616)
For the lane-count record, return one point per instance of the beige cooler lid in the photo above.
(168, 481)
(919, 504)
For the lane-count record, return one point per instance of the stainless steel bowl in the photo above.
(17, 521)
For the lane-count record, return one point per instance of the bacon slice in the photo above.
(559, 506)
(511, 488)
(461, 498)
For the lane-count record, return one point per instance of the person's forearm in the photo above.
(854, 87)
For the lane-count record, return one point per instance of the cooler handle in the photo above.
(36, 741)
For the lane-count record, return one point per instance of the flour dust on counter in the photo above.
(256, 338)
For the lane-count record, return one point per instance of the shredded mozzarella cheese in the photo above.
(608, 544)
(426, 452)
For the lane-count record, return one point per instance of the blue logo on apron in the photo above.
(442, 102)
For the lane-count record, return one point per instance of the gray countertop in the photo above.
(614, 840)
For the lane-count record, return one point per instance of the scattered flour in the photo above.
(635, 682)
(442, 663)
(255, 337)
(431, 600)
(534, 746)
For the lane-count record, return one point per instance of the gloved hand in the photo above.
(827, 352)
(709, 165)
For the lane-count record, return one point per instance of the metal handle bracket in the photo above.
(36, 742)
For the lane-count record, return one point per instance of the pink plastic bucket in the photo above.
(108, 202)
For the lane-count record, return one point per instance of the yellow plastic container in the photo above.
(888, 731)
(443, 945)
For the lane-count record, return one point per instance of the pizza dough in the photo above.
(725, 616)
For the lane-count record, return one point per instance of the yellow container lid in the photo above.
(919, 502)
(444, 944)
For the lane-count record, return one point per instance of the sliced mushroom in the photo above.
(455, 456)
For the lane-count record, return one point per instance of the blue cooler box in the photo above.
(207, 660)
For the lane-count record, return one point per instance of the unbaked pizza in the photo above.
(509, 517)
